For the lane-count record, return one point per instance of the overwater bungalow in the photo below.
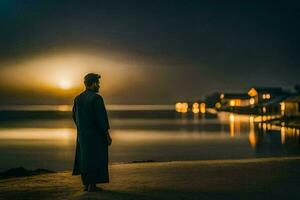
(290, 111)
(266, 100)
(291, 106)
(234, 99)
(260, 95)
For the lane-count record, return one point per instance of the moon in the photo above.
(64, 84)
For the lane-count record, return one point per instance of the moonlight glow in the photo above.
(65, 84)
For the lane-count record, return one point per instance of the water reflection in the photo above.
(61, 134)
(268, 140)
(50, 143)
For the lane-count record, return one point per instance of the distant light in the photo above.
(195, 105)
(232, 103)
(264, 109)
(178, 107)
(252, 92)
(252, 101)
(64, 108)
(266, 96)
(264, 118)
(218, 105)
(222, 96)
(181, 107)
(282, 108)
(202, 108)
(195, 110)
(185, 107)
(65, 85)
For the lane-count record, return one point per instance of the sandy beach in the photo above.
(262, 178)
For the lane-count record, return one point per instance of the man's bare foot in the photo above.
(94, 188)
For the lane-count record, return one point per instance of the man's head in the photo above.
(91, 82)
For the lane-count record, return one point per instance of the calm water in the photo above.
(50, 143)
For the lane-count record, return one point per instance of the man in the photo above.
(93, 138)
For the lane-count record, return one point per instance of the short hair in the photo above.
(91, 78)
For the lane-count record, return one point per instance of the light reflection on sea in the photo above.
(43, 143)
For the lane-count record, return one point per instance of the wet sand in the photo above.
(262, 178)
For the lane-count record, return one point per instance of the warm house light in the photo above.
(252, 101)
(266, 96)
(195, 105)
(221, 96)
(185, 107)
(181, 107)
(282, 106)
(195, 108)
(218, 105)
(202, 108)
(232, 103)
(178, 107)
(235, 102)
(252, 92)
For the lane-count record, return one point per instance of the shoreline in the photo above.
(258, 178)
(23, 172)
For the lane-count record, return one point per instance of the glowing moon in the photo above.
(64, 84)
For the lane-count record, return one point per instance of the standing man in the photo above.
(93, 138)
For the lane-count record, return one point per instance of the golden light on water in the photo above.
(60, 134)
(64, 108)
(282, 108)
(252, 136)
(282, 131)
(231, 125)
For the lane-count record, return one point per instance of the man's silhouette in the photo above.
(93, 138)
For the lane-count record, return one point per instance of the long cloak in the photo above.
(91, 156)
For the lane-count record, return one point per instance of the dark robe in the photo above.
(91, 156)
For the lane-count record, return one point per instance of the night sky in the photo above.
(149, 52)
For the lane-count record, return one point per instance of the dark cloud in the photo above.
(207, 45)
